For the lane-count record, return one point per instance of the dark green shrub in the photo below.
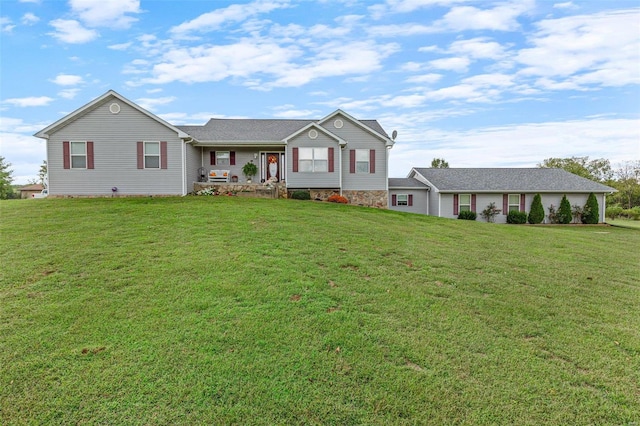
(633, 213)
(564, 211)
(536, 215)
(591, 212)
(467, 215)
(517, 217)
(301, 195)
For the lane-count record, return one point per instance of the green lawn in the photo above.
(626, 223)
(225, 310)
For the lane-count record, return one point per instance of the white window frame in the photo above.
(78, 156)
(310, 159)
(151, 155)
(400, 202)
(513, 206)
(223, 158)
(464, 206)
(363, 157)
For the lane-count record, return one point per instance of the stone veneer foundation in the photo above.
(359, 198)
(245, 189)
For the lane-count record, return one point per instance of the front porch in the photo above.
(252, 190)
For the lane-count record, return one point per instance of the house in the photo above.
(28, 191)
(113, 146)
(452, 190)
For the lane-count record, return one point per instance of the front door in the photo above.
(273, 166)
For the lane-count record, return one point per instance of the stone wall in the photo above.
(245, 189)
(378, 199)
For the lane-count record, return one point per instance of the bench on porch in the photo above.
(219, 175)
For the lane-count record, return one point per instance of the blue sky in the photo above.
(479, 83)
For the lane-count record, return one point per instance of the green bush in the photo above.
(591, 212)
(633, 213)
(517, 217)
(467, 215)
(564, 211)
(614, 212)
(301, 195)
(536, 215)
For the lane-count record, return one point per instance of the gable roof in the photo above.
(371, 126)
(44, 133)
(507, 180)
(406, 183)
(266, 131)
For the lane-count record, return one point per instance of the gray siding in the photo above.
(115, 155)
(313, 180)
(358, 138)
(420, 200)
(192, 164)
(483, 200)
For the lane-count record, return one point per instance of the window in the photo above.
(223, 158)
(402, 199)
(152, 155)
(313, 159)
(464, 202)
(78, 155)
(514, 202)
(362, 161)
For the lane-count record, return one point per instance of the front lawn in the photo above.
(226, 310)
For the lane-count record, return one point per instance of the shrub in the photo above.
(467, 215)
(633, 213)
(517, 217)
(536, 215)
(301, 195)
(564, 211)
(337, 199)
(591, 212)
(490, 212)
(614, 212)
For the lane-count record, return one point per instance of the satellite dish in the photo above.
(394, 135)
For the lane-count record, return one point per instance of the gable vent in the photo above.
(313, 133)
(114, 108)
(338, 124)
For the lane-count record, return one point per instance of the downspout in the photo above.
(340, 168)
(184, 167)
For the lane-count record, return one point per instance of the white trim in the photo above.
(388, 141)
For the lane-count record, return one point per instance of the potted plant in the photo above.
(249, 170)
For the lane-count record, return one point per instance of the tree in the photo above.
(439, 163)
(564, 211)
(627, 183)
(536, 215)
(598, 170)
(591, 212)
(6, 190)
(42, 173)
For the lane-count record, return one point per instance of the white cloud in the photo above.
(565, 5)
(120, 46)
(29, 19)
(68, 93)
(599, 49)
(501, 18)
(71, 31)
(6, 25)
(294, 113)
(29, 101)
(67, 80)
(478, 48)
(424, 78)
(216, 19)
(151, 103)
(521, 145)
(406, 6)
(106, 13)
(451, 64)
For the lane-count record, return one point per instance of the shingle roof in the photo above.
(255, 130)
(506, 180)
(406, 183)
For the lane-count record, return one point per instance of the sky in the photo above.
(504, 83)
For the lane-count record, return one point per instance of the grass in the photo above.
(625, 223)
(225, 310)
